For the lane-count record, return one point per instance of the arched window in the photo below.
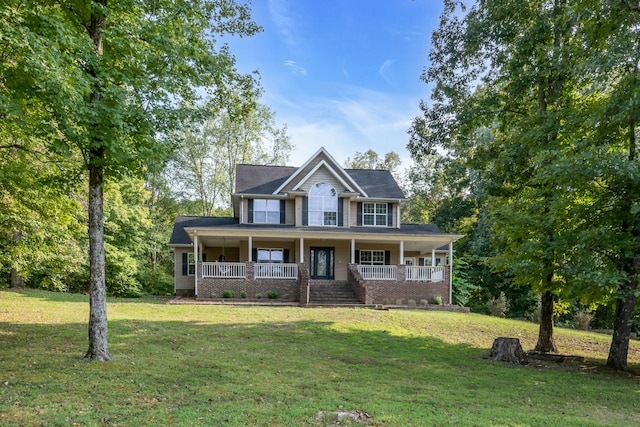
(323, 205)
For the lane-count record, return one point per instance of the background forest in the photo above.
(528, 147)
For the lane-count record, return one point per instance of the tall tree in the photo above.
(204, 165)
(555, 167)
(500, 68)
(370, 159)
(108, 79)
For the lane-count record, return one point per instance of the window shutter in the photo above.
(305, 210)
(250, 211)
(357, 260)
(185, 265)
(389, 214)
(359, 213)
(254, 254)
(204, 257)
(387, 257)
(283, 217)
(285, 255)
(421, 262)
(340, 212)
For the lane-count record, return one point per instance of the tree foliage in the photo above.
(535, 102)
(104, 81)
(204, 165)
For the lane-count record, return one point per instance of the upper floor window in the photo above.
(266, 211)
(323, 205)
(374, 214)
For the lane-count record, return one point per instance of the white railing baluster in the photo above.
(425, 274)
(378, 272)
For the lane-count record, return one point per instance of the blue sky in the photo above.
(343, 74)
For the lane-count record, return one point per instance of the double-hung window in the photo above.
(374, 214)
(266, 211)
(270, 255)
(323, 205)
(191, 264)
(368, 257)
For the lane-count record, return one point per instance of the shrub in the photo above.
(258, 296)
(272, 294)
(498, 306)
(228, 294)
(243, 294)
(437, 300)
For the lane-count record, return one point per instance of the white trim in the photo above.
(195, 259)
(302, 249)
(401, 252)
(250, 247)
(322, 162)
(450, 272)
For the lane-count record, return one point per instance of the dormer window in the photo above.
(323, 205)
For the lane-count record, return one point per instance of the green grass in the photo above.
(209, 365)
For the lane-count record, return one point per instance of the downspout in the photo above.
(450, 272)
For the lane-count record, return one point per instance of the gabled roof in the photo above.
(270, 180)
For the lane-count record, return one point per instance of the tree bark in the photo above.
(98, 328)
(546, 343)
(98, 345)
(619, 350)
(508, 350)
(17, 281)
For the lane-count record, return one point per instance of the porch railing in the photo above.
(378, 272)
(226, 270)
(425, 274)
(276, 271)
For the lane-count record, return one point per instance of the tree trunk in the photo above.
(98, 346)
(17, 280)
(546, 343)
(508, 350)
(625, 304)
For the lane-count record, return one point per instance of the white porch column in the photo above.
(401, 252)
(353, 251)
(450, 272)
(195, 260)
(250, 247)
(433, 257)
(302, 249)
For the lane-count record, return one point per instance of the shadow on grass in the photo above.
(283, 373)
(83, 297)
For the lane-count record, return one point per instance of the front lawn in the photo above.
(186, 365)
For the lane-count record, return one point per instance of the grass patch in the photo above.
(280, 366)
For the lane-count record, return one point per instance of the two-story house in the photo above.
(314, 233)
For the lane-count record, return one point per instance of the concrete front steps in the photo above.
(332, 292)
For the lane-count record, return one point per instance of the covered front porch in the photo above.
(288, 264)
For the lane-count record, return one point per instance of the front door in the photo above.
(322, 263)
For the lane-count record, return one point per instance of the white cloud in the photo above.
(279, 11)
(295, 69)
(359, 120)
(385, 68)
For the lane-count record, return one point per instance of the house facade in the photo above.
(311, 234)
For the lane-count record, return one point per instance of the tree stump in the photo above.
(508, 350)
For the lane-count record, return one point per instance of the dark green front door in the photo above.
(322, 263)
